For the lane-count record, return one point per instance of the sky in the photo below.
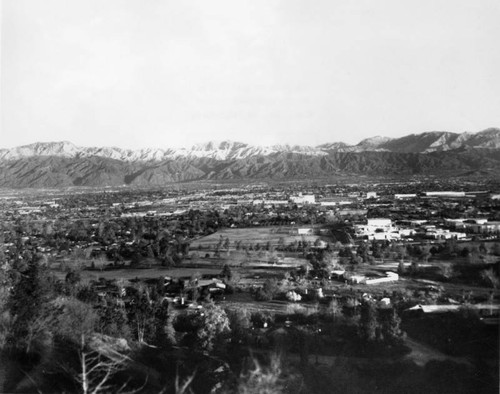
(136, 74)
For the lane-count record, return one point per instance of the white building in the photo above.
(438, 233)
(305, 231)
(378, 229)
(482, 228)
(380, 223)
(405, 196)
(445, 194)
(303, 199)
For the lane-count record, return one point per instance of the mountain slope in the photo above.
(61, 164)
(49, 171)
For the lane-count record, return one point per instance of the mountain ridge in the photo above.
(62, 164)
(51, 171)
(232, 150)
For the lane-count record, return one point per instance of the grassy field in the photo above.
(251, 259)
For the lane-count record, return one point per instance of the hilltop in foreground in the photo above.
(60, 164)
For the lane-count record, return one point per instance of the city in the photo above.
(321, 275)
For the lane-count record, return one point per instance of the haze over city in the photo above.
(167, 74)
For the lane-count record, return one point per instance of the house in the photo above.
(337, 274)
(213, 285)
(303, 231)
(489, 313)
(390, 277)
(357, 279)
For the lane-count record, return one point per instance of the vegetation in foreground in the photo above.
(64, 336)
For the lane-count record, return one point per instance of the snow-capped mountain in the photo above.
(230, 150)
(62, 164)
(225, 150)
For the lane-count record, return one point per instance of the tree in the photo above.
(362, 252)
(262, 380)
(239, 322)
(72, 323)
(414, 267)
(27, 301)
(213, 323)
(401, 267)
(334, 309)
(446, 271)
(72, 278)
(268, 290)
(169, 331)
(113, 320)
(74, 318)
(390, 326)
(226, 272)
(489, 277)
(97, 368)
(146, 314)
(368, 322)
(496, 249)
(425, 253)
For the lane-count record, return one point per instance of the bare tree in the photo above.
(264, 380)
(39, 329)
(334, 309)
(181, 387)
(97, 369)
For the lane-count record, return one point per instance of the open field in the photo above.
(256, 235)
(251, 259)
(251, 248)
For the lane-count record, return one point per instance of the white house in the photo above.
(390, 277)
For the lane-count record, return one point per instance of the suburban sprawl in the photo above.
(296, 287)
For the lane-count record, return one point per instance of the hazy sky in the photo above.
(151, 73)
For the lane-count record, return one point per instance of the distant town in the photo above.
(221, 283)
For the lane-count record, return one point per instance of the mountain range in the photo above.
(60, 164)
